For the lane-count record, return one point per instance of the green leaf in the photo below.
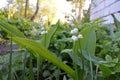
(117, 23)
(66, 51)
(117, 68)
(10, 29)
(115, 60)
(88, 42)
(92, 58)
(38, 48)
(77, 60)
(108, 58)
(47, 37)
(105, 70)
(1, 75)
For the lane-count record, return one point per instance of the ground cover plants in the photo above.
(88, 51)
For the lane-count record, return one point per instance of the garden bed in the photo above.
(5, 48)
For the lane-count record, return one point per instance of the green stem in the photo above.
(31, 69)
(91, 69)
(24, 65)
(75, 65)
(58, 75)
(45, 39)
(82, 70)
(40, 61)
(96, 72)
(10, 61)
(38, 67)
(1, 78)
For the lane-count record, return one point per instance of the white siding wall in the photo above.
(104, 8)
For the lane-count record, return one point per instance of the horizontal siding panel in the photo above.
(115, 7)
(104, 9)
(117, 16)
(101, 6)
(96, 3)
(109, 2)
(108, 19)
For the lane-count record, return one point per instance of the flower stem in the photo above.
(10, 61)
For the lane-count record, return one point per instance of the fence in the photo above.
(104, 8)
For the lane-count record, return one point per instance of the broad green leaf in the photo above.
(38, 48)
(47, 37)
(94, 59)
(105, 70)
(115, 60)
(108, 58)
(77, 60)
(88, 42)
(110, 62)
(10, 29)
(117, 68)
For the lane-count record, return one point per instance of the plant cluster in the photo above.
(82, 52)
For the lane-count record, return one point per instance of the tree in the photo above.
(26, 7)
(37, 9)
(79, 4)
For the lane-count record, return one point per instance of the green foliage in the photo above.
(16, 64)
(105, 70)
(38, 49)
(117, 23)
(10, 29)
(93, 57)
(88, 40)
(46, 39)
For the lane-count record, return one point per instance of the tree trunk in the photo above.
(80, 15)
(26, 7)
(37, 9)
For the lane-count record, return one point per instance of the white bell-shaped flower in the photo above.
(80, 36)
(44, 32)
(74, 38)
(74, 31)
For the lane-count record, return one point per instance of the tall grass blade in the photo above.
(47, 37)
(91, 68)
(31, 68)
(38, 49)
(38, 67)
(24, 65)
(1, 78)
(10, 29)
(10, 61)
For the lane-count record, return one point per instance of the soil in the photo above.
(5, 48)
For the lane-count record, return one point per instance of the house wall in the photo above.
(104, 8)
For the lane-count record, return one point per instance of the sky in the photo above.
(3, 3)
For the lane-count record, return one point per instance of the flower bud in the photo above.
(80, 36)
(74, 31)
(44, 32)
(74, 38)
